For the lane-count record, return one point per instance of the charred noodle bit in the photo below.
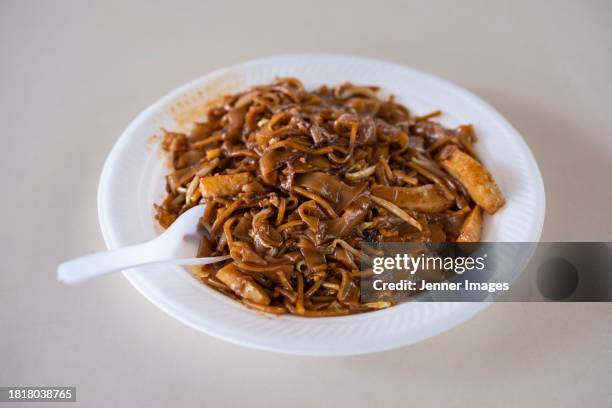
(295, 182)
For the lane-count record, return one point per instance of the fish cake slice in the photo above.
(476, 179)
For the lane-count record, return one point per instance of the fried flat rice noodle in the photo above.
(295, 182)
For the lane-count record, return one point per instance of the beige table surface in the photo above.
(74, 74)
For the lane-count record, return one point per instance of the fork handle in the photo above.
(81, 269)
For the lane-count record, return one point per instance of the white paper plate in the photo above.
(132, 180)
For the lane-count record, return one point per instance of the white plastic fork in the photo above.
(177, 246)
